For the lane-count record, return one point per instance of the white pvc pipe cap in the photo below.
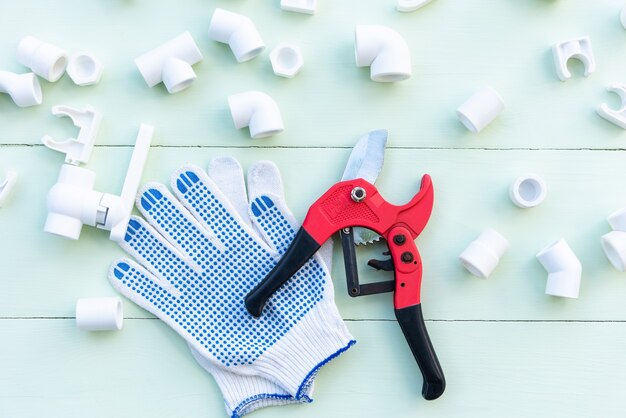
(480, 109)
(99, 314)
(483, 255)
(528, 191)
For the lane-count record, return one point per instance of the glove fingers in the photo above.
(202, 198)
(227, 174)
(157, 255)
(140, 286)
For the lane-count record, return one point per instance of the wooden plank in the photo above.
(455, 48)
(42, 275)
(493, 369)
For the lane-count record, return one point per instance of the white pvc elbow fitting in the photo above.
(24, 89)
(480, 109)
(46, 60)
(383, 50)
(258, 111)
(238, 31)
(483, 255)
(99, 314)
(614, 243)
(171, 63)
(564, 270)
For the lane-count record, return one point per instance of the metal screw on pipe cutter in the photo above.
(348, 207)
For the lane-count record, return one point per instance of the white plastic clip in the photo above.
(77, 150)
(580, 49)
(618, 116)
(72, 202)
(411, 5)
(299, 6)
(6, 186)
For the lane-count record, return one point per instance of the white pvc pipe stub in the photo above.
(480, 109)
(564, 270)
(99, 314)
(46, 60)
(483, 254)
(528, 191)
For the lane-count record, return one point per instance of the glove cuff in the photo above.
(293, 362)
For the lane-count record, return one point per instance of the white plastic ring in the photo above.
(528, 191)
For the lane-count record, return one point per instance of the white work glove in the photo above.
(200, 258)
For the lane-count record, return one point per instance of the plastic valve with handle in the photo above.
(199, 250)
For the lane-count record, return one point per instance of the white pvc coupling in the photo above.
(24, 89)
(564, 270)
(99, 314)
(383, 50)
(614, 243)
(258, 111)
(171, 63)
(480, 109)
(483, 255)
(528, 191)
(238, 31)
(46, 60)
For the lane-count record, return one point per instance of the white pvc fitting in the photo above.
(24, 89)
(46, 60)
(614, 246)
(564, 270)
(6, 186)
(483, 255)
(617, 220)
(622, 17)
(258, 111)
(528, 191)
(99, 314)
(171, 63)
(383, 50)
(286, 60)
(480, 110)
(238, 31)
(299, 6)
(84, 69)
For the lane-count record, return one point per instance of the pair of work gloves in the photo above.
(200, 250)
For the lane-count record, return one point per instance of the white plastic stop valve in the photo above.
(383, 50)
(614, 243)
(72, 202)
(564, 270)
(24, 89)
(171, 63)
(239, 32)
(258, 111)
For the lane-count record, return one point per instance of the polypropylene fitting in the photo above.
(528, 191)
(171, 63)
(286, 60)
(622, 17)
(24, 89)
(618, 117)
(564, 270)
(580, 49)
(383, 50)
(411, 5)
(258, 111)
(99, 314)
(46, 60)
(6, 186)
(238, 31)
(480, 110)
(483, 255)
(84, 69)
(614, 243)
(299, 6)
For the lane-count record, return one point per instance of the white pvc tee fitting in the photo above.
(564, 270)
(528, 191)
(614, 243)
(383, 50)
(46, 60)
(99, 314)
(480, 110)
(24, 89)
(483, 255)
(171, 63)
(238, 31)
(258, 111)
